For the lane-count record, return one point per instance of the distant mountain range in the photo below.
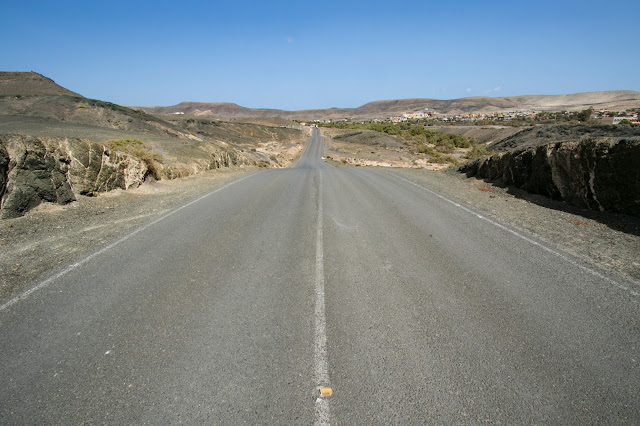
(33, 84)
(613, 100)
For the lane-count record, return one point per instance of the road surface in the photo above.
(239, 306)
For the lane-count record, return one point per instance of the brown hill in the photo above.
(56, 144)
(228, 111)
(33, 105)
(612, 100)
(30, 84)
(220, 110)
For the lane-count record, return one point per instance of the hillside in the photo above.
(607, 100)
(31, 104)
(30, 84)
(220, 110)
(613, 100)
(542, 135)
(56, 145)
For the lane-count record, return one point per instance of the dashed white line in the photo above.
(76, 265)
(320, 347)
(525, 238)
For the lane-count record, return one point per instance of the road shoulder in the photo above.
(51, 236)
(606, 240)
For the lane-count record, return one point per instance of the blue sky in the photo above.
(297, 55)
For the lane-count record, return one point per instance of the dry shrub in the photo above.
(141, 150)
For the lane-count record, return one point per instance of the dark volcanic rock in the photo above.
(35, 170)
(4, 170)
(35, 175)
(599, 174)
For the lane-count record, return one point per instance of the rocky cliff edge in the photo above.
(599, 174)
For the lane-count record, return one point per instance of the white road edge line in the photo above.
(525, 238)
(320, 345)
(76, 265)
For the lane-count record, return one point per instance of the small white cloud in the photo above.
(495, 89)
(468, 90)
(289, 40)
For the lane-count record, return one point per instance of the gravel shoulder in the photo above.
(51, 237)
(606, 240)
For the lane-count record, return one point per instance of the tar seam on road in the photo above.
(527, 239)
(110, 246)
(320, 346)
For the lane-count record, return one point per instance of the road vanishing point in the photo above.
(317, 295)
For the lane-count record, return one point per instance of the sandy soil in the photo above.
(483, 135)
(366, 148)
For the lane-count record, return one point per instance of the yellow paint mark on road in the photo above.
(325, 392)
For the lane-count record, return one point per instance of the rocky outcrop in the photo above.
(210, 158)
(35, 170)
(4, 170)
(94, 168)
(34, 174)
(599, 174)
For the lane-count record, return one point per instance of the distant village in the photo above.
(601, 116)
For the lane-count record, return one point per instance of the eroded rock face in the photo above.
(35, 174)
(93, 168)
(35, 170)
(4, 170)
(599, 174)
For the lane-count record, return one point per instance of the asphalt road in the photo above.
(238, 306)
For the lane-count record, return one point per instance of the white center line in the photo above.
(320, 352)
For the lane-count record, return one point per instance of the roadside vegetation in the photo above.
(410, 133)
(437, 145)
(544, 117)
(476, 152)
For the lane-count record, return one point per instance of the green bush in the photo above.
(477, 152)
(425, 149)
(442, 159)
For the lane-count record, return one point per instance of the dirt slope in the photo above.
(482, 135)
(541, 135)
